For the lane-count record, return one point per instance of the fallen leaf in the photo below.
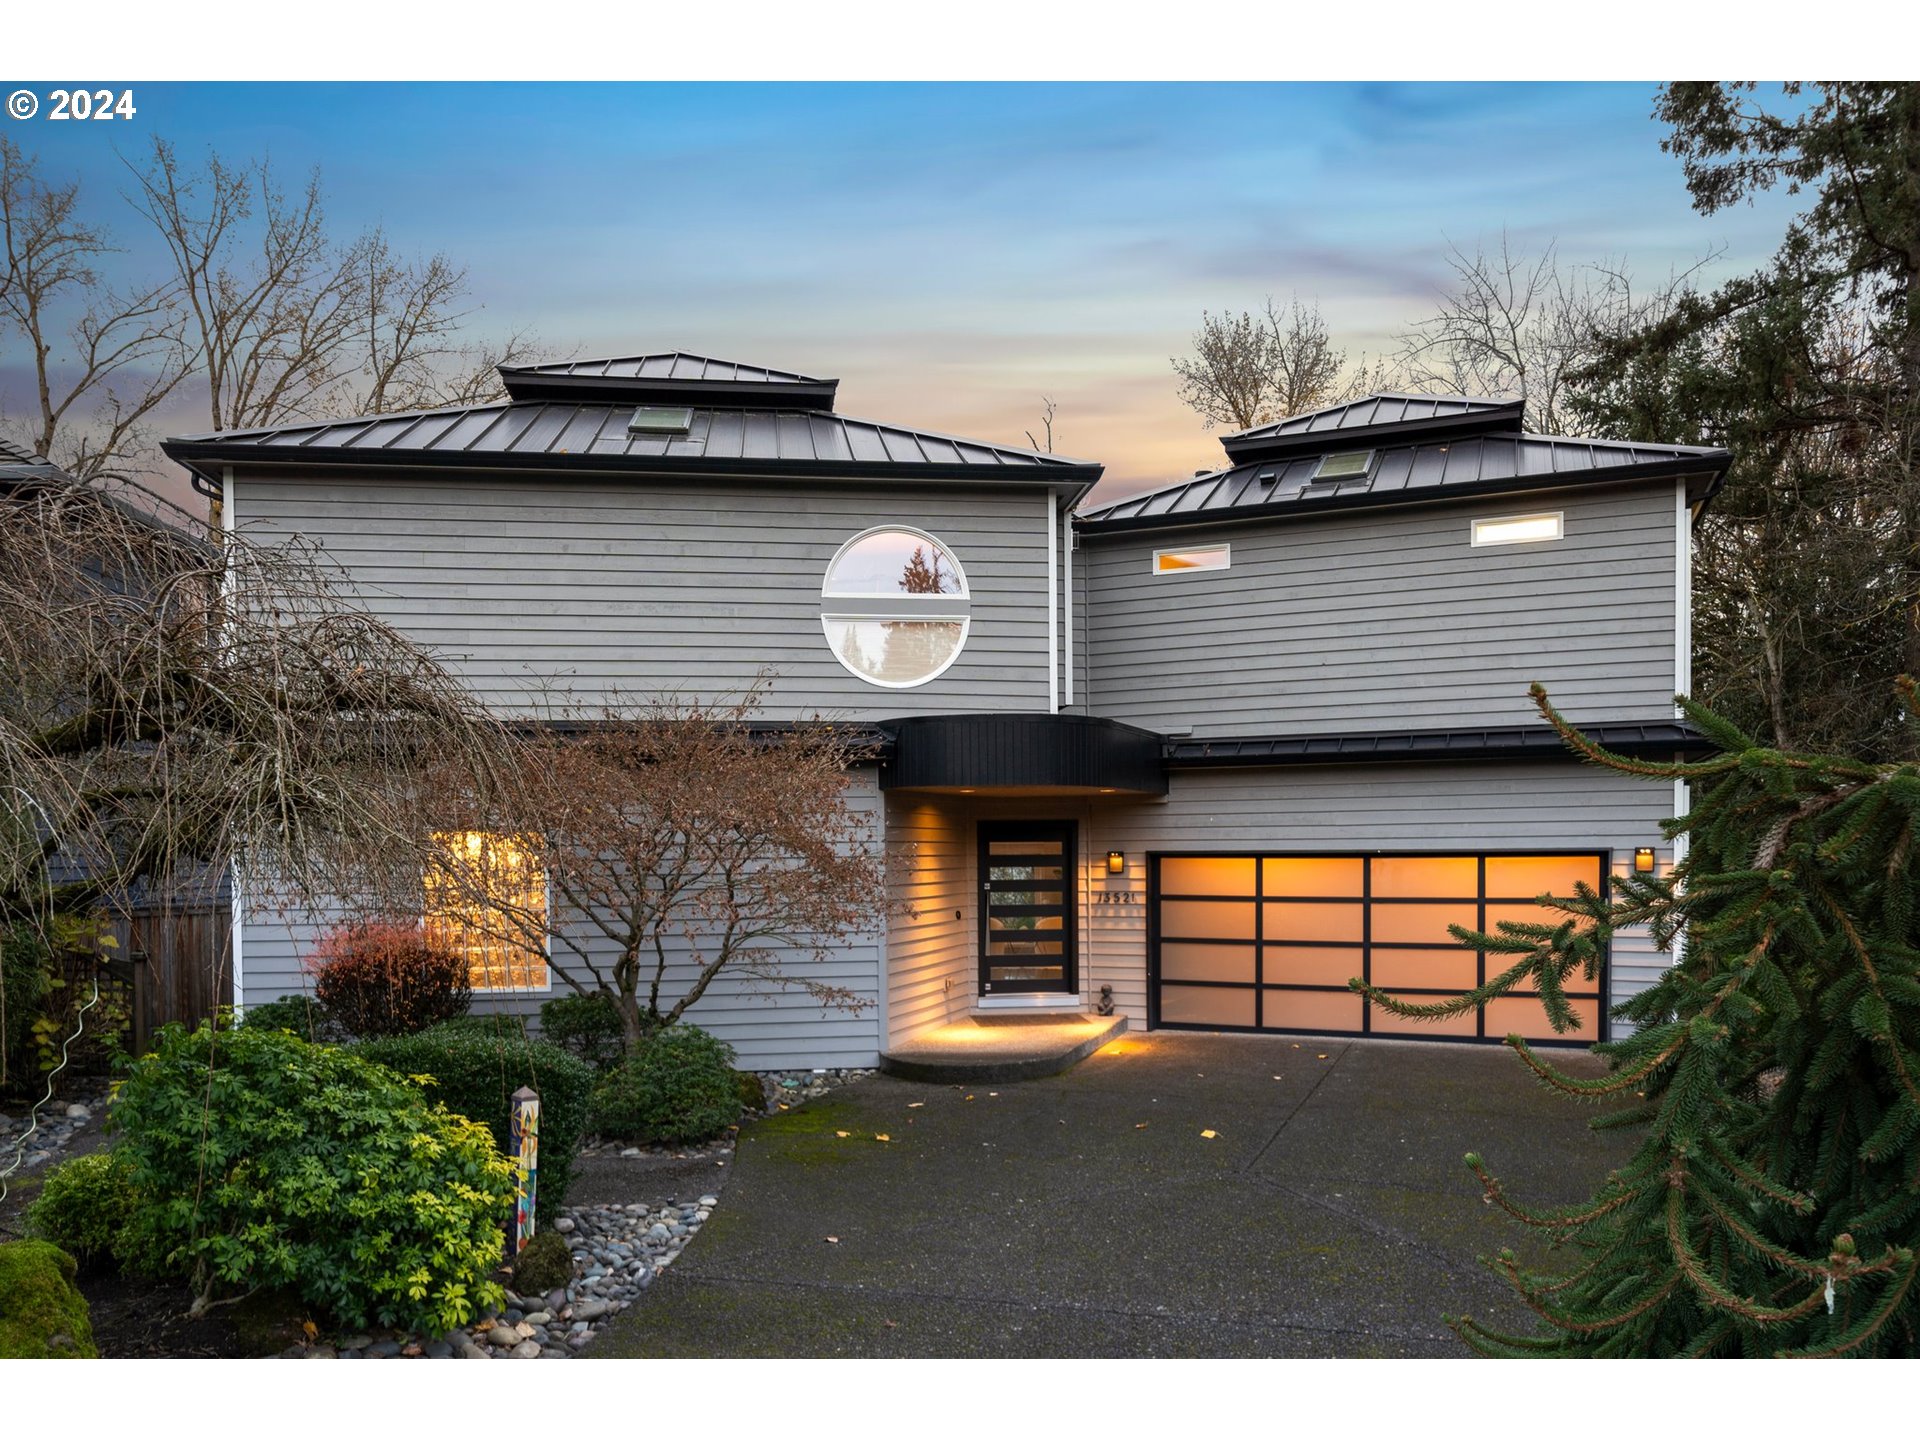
(1209, 1134)
(1276, 1077)
(309, 1328)
(785, 1106)
(833, 1239)
(843, 1133)
(883, 1137)
(913, 1105)
(1141, 1126)
(1319, 1057)
(993, 1094)
(1296, 1047)
(969, 1097)
(891, 1324)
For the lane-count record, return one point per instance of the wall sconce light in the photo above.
(1643, 860)
(1116, 863)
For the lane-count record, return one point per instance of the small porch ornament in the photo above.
(525, 1135)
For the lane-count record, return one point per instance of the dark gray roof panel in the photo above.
(671, 377)
(537, 431)
(1661, 738)
(672, 365)
(1371, 421)
(1477, 464)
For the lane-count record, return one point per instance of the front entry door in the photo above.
(1026, 907)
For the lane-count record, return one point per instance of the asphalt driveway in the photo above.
(1089, 1215)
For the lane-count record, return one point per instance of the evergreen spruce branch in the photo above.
(1885, 1038)
(1595, 1089)
(1871, 1324)
(1758, 1243)
(1498, 1346)
(1704, 1343)
(1711, 1290)
(1590, 750)
(1563, 1218)
(1561, 1320)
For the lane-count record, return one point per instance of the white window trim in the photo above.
(909, 607)
(1226, 559)
(1559, 518)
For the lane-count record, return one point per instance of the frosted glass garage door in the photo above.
(1269, 942)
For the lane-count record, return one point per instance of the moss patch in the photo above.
(42, 1315)
(810, 1135)
(546, 1264)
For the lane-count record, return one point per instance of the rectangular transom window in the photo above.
(1519, 529)
(486, 904)
(1201, 557)
(1348, 465)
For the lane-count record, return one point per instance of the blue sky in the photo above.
(951, 252)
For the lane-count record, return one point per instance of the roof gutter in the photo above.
(205, 457)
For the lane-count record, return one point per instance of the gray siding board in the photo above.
(1390, 619)
(520, 583)
(770, 1028)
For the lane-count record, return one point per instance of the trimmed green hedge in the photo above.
(86, 1206)
(678, 1086)
(477, 1063)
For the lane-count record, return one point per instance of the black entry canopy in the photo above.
(1023, 755)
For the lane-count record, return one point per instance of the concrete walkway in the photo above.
(1087, 1214)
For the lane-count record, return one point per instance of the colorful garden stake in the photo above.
(526, 1158)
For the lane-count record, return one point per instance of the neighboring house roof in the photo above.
(576, 417)
(1411, 458)
(19, 464)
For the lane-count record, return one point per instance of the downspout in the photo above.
(1053, 611)
(1066, 548)
(224, 519)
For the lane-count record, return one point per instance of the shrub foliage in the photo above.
(86, 1206)
(1771, 1207)
(678, 1086)
(381, 977)
(269, 1162)
(585, 1025)
(476, 1063)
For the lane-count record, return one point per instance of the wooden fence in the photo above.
(169, 965)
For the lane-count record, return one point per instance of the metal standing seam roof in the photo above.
(580, 434)
(1374, 412)
(669, 365)
(1411, 472)
(18, 463)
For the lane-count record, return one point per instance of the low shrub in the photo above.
(477, 1063)
(42, 1315)
(300, 1015)
(678, 1086)
(86, 1206)
(26, 975)
(585, 1025)
(265, 1161)
(382, 977)
(545, 1264)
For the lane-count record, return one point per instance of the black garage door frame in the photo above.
(1154, 1022)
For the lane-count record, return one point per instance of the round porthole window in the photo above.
(894, 606)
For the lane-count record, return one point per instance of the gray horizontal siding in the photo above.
(694, 587)
(1390, 620)
(769, 1027)
(1467, 808)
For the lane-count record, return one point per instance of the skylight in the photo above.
(1348, 465)
(661, 420)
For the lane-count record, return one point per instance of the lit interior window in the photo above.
(1206, 557)
(1348, 465)
(894, 606)
(1518, 529)
(506, 871)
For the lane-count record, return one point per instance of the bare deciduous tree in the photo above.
(681, 843)
(274, 305)
(173, 704)
(1249, 369)
(411, 331)
(1524, 326)
(102, 359)
(1044, 440)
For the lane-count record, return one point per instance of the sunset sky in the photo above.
(952, 253)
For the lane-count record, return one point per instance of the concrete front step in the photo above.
(992, 1048)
